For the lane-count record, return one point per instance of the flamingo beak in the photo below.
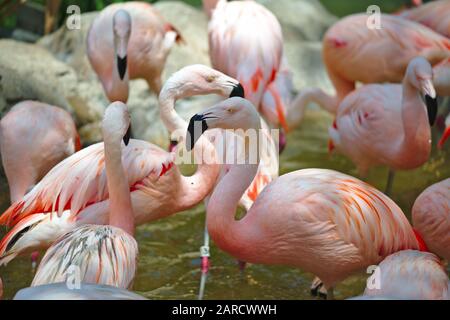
(197, 126)
(122, 66)
(430, 100)
(238, 91)
(444, 138)
(127, 136)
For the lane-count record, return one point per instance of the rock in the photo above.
(301, 20)
(30, 72)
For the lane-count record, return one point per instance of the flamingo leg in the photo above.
(318, 289)
(390, 182)
(204, 252)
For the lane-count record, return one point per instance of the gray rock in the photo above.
(301, 19)
(31, 72)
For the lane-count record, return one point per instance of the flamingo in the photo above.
(352, 52)
(26, 160)
(87, 291)
(410, 275)
(431, 218)
(268, 169)
(74, 193)
(246, 42)
(388, 124)
(129, 40)
(103, 254)
(319, 220)
(434, 14)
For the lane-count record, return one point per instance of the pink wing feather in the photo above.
(80, 180)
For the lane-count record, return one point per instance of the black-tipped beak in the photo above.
(432, 108)
(127, 136)
(238, 91)
(122, 66)
(197, 126)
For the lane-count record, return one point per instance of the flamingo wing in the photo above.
(80, 180)
(246, 42)
(97, 254)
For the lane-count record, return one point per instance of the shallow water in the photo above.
(169, 259)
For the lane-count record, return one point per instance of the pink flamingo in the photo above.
(352, 52)
(268, 169)
(25, 159)
(322, 221)
(434, 14)
(431, 218)
(388, 124)
(246, 42)
(75, 193)
(103, 254)
(410, 275)
(129, 40)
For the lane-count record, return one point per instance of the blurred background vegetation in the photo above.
(9, 8)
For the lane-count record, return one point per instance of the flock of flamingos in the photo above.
(82, 205)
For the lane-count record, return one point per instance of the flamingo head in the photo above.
(117, 123)
(201, 80)
(420, 75)
(235, 114)
(122, 32)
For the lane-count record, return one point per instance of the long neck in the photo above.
(171, 119)
(417, 132)
(120, 210)
(196, 187)
(306, 96)
(116, 88)
(229, 234)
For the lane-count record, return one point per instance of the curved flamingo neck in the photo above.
(196, 187)
(306, 96)
(417, 134)
(120, 210)
(170, 117)
(229, 234)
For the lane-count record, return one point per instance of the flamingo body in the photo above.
(34, 137)
(434, 14)
(246, 42)
(411, 275)
(352, 52)
(104, 255)
(431, 218)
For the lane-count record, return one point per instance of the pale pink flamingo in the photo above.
(75, 193)
(388, 124)
(129, 40)
(431, 218)
(185, 83)
(434, 14)
(246, 42)
(352, 52)
(409, 275)
(103, 254)
(34, 137)
(322, 221)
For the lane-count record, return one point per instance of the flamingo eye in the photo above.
(210, 79)
(230, 110)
